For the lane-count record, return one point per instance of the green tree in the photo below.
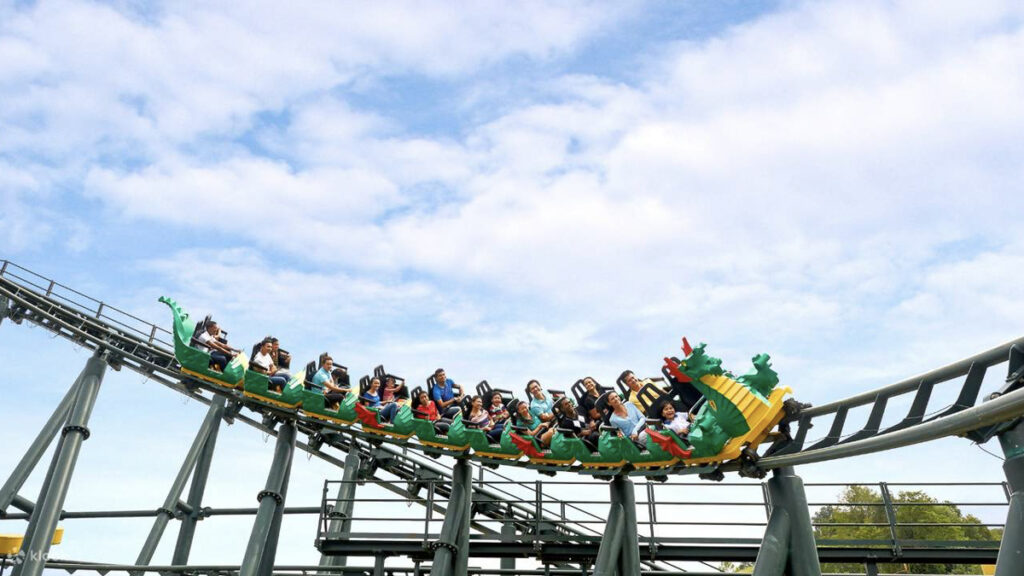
(862, 505)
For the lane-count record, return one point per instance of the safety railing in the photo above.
(87, 305)
(686, 514)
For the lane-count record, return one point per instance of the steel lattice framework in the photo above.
(538, 528)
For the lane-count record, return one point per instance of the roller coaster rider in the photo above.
(572, 422)
(324, 379)
(371, 397)
(524, 418)
(281, 358)
(425, 408)
(212, 341)
(261, 362)
(540, 404)
(678, 422)
(444, 395)
(588, 401)
(626, 417)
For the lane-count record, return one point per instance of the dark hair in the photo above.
(272, 339)
(438, 371)
(625, 373)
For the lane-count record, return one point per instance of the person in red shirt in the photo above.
(424, 407)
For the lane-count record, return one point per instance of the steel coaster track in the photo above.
(146, 349)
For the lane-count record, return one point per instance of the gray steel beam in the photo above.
(270, 552)
(1011, 551)
(771, 558)
(1001, 409)
(187, 530)
(35, 451)
(991, 357)
(167, 511)
(619, 552)
(607, 561)
(47, 511)
(450, 545)
(341, 516)
(629, 555)
(508, 533)
(787, 492)
(270, 499)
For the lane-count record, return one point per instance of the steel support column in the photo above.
(270, 552)
(789, 533)
(606, 563)
(167, 511)
(36, 546)
(28, 462)
(508, 534)
(341, 516)
(270, 500)
(619, 552)
(771, 558)
(187, 530)
(451, 551)
(1011, 549)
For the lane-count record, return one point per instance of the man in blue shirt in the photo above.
(324, 379)
(444, 395)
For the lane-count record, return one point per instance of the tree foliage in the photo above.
(862, 505)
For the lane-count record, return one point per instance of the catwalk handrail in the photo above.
(410, 535)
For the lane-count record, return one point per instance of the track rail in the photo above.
(145, 348)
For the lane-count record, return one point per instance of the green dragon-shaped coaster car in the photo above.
(455, 439)
(196, 362)
(257, 385)
(400, 427)
(503, 449)
(739, 413)
(315, 404)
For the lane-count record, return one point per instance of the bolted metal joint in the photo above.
(167, 512)
(442, 544)
(75, 428)
(264, 493)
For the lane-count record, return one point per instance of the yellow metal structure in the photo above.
(11, 543)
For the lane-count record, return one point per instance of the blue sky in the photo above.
(550, 190)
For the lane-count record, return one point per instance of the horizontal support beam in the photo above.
(94, 514)
(575, 552)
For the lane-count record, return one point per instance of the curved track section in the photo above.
(146, 348)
